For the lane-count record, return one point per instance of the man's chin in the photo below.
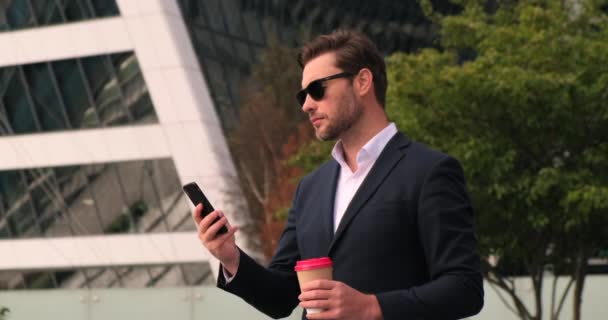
(324, 136)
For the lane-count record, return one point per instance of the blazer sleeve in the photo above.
(273, 290)
(445, 228)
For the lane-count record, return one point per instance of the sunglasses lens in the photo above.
(301, 97)
(316, 90)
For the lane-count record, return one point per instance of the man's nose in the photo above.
(309, 104)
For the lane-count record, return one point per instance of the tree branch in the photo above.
(563, 299)
(524, 313)
(251, 183)
(493, 285)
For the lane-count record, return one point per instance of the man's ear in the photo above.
(364, 82)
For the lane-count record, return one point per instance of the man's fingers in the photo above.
(208, 220)
(321, 284)
(216, 242)
(211, 233)
(196, 213)
(316, 304)
(223, 238)
(315, 295)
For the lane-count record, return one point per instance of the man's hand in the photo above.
(223, 247)
(338, 301)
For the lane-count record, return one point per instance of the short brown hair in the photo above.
(354, 51)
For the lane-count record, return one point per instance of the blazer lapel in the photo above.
(388, 159)
(327, 198)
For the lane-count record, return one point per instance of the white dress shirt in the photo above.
(349, 182)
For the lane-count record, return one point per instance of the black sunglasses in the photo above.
(316, 90)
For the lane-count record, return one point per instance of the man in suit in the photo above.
(392, 214)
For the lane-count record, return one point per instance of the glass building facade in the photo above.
(228, 35)
(91, 92)
(132, 197)
(22, 14)
(111, 198)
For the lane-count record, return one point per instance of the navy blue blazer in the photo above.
(407, 237)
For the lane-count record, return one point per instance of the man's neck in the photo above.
(357, 137)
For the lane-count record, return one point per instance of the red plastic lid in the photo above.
(311, 264)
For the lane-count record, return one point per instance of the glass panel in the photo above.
(5, 232)
(234, 78)
(198, 274)
(43, 191)
(233, 16)
(104, 8)
(220, 93)
(122, 197)
(3, 22)
(143, 202)
(224, 48)
(214, 13)
(46, 12)
(74, 10)
(10, 280)
(134, 90)
(40, 280)
(22, 219)
(253, 27)
(80, 111)
(17, 14)
(191, 10)
(203, 43)
(110, 202)
(105, 91)
(152, 191)
(19, 112)
(82, 209)
(12, 188)
(46, 102)
(76, 93)
(244, 53)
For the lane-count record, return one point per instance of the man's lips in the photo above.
(315, 120)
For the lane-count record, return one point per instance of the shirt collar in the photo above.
(371, 150)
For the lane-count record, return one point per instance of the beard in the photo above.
(348, 113)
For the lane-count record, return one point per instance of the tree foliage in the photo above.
(270, 130)
(520, 96)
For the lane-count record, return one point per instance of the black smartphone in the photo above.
(196, 196)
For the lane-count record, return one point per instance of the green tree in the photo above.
(520, 96)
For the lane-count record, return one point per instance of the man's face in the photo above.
(337, 110)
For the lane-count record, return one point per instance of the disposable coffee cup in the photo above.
(314, 269)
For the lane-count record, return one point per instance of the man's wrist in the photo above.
(375, 312)
(232, 265)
